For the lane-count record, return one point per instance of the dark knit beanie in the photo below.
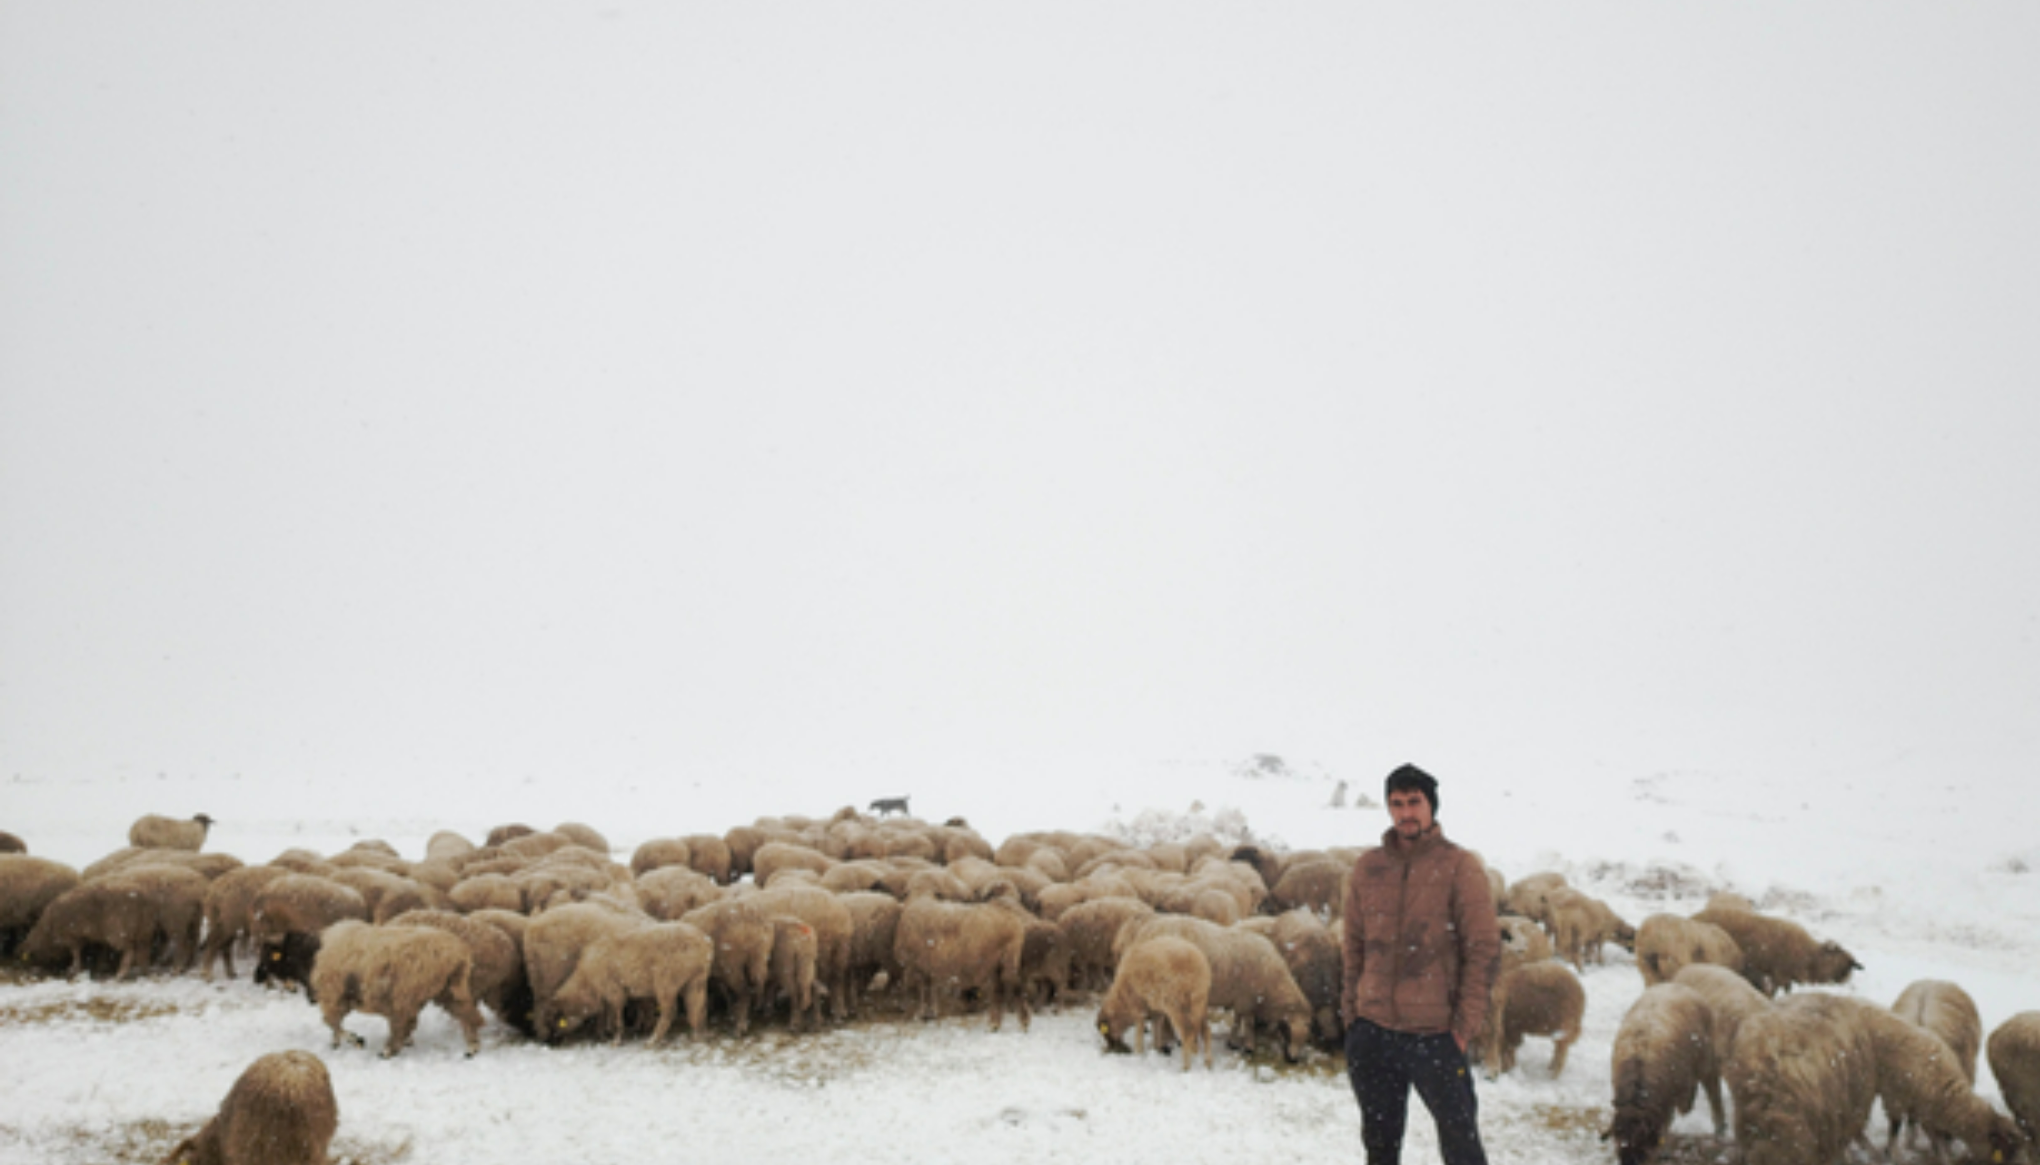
(1410, 778)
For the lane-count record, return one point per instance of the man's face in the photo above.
(1411, 812)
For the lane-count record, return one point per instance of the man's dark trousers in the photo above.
(1384, 1065)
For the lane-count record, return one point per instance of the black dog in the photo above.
(885, 806)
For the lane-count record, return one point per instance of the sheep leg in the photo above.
(402, 1024)
(696, 995)
(668, 1003)
(1559, 1048)
(1185, 1033)
(1712, 1084)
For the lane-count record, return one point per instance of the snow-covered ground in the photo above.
(1919, 878)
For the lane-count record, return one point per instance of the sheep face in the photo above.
(1832, 964)
(1114, 1031)
(1636, 1135)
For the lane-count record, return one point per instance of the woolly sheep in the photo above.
(498, 978)
(27, 886)
(667, 963)
(1730, 1001)
(386, 894)
(554, 942)
(1090, 931)
(1527, 895)
(1318, 884)
(1803, 1076)
(1535, 999)
(230, 913)
(583, 835)
(208, 865)
(153, 832)
(446, 845)
(1316, 960)
(393, 972)
(489, 891)
(741, 967)
(2014, 1055)
(669, 892)
(1664, 1054)
(772, 857)
(709, 854)
(1666, 942)
(287, 919)
(831, 920)
(1248, 978)
(1778, 952)
(791, 970)
(874, 925)
(946, 948)
(1920, 1081)
(1523, 941)
(125, 911)
(280, 1111)
(1164, 977)
(1729, 900)
(1945, 1009)
(1582, 924)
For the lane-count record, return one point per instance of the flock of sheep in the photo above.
(820, 920)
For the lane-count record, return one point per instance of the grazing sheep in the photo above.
(1803, 1076)
(1920, 1082)
(1778, 952)
(1730, 1001)
(1535, 999)
(1318, 884)
(393, 972)
(709, 854)
(874, 926)
(742, 964)
(386, 894)
(125, 911)
(1664, 1054)
(496, 837)
(585, 836)
(947, 948)
(2014, 1055)
(1528, 895)
(288, 917)
(776, 856)
(1729, 900)
(230, 913)
(1581, 925)
(447, 846)
(27, 886)
(831, 920)
(1665, 943)
(153, 832)
(669, 892)
(1946, 1010)
(1091, 931)
(1317, 961)
(280, 1111)
(1167, 978)
(659, 853)
(666, 962)
(791, 970)
(554, 942)
(1248, 978)
(486, 891)
(1523, 941)
(498, 978)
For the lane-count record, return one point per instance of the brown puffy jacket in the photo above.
(1422, 943)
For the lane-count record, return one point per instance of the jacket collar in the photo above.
(1428, 840)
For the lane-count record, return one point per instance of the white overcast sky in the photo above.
(409, 390)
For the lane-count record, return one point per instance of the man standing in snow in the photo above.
(1422, 948)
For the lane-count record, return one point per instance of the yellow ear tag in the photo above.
(563, 1025)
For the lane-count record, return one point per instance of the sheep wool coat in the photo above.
(1422, 943)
